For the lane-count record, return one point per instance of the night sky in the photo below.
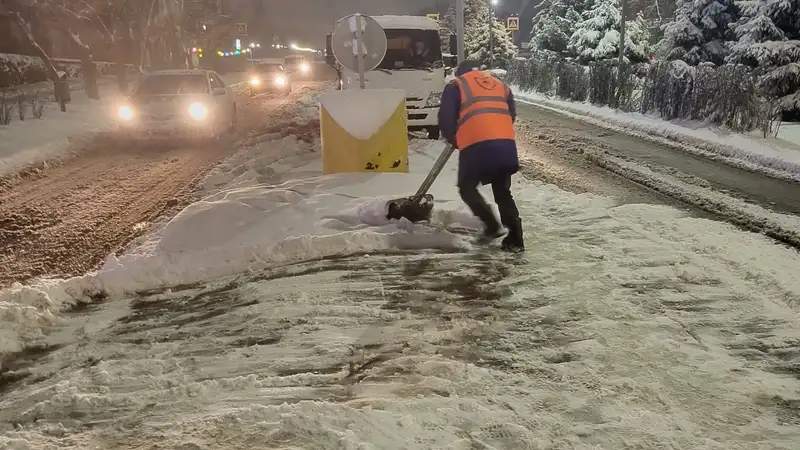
(307, 21)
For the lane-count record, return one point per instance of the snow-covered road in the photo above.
(65, 220)
(631, 326)
(749, 199)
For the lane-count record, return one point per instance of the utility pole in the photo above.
(623, 13)
(491, 35)
(460, 30)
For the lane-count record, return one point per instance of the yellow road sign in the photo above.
(434, 16)
(513, 23)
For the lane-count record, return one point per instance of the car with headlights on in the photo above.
(297, 65)
(269, 77)
(193, 104)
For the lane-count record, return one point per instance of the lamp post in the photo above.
(492, 4)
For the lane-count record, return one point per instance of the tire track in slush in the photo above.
(64, 221)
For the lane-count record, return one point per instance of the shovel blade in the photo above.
(419, 211)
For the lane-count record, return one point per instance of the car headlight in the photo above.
(255, 81)
(305, 68)
(198, 111)
(280, 80)
(125, 113)
(434, 99)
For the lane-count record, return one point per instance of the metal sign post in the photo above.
(359, 49)
(358, 44)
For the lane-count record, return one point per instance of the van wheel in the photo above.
(433, 133)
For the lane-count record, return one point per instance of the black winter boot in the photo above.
(514, 243)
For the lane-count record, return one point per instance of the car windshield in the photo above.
(412, 49)
(268, 68)
(173, 85)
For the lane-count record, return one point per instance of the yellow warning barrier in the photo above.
(364, 131)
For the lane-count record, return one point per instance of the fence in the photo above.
(16, 70)
(725, 95)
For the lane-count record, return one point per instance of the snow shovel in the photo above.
(418, 208)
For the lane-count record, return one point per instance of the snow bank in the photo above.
(362, 112)
(255, 226)
(33, 141)
(779, 158)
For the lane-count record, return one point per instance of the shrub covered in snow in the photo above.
(725, 95)
(607, 87)
(20, 69)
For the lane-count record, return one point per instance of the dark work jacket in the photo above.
(479, 163)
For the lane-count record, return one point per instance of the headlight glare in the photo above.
(125, 113)
(255, 81)
(198, 111)
(280, 80)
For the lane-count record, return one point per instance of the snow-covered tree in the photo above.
(768, 37)
(699, 32)
(597, 36)
(447, 28)
(478, 38)
(554, 23)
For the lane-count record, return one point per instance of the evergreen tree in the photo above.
(554, 24)
(447, 28)
(699, 32)
(768, 37)
(597, 36)
(477, 36)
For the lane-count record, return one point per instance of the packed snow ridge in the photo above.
(775, 157)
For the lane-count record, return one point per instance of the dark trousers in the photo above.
(509, 214)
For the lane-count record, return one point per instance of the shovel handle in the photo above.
(435, 170)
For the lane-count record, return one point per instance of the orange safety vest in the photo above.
(484, 112)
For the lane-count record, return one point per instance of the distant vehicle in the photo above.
(269, 77)
(413, 62)
(297, 64)
(194, 104)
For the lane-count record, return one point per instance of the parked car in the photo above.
(194, 104)
(269, 77)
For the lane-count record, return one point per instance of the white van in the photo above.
(421, 75)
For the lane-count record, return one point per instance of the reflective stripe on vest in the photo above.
(484, 113)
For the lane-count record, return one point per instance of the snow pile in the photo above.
(31, 142)
(255, 226)
(779, 158)
(622, 327)
(362, 112)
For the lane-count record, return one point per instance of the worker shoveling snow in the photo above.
(630, 326)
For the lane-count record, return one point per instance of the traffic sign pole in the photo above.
(360, 54)
(359, 45)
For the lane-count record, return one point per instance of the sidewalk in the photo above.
(33, 141)
(778, 157)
